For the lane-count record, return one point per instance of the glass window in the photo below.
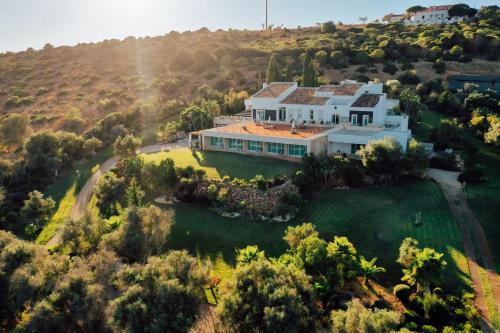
(311, 114)
(335, 118)
(276, 148)
(354, 119)
(260, 115)
(282, 114)
(217, 142)
(366, 120)
(236, 144)
(255, 146)
(297, 150)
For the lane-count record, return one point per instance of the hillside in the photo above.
(88, 81)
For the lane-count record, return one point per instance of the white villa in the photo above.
(434, 15)
(427, 16)
(286, 121)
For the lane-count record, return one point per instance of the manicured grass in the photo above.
(64, 191)
(376, 221)
(484, 200)
(430, 119)
(220, 164)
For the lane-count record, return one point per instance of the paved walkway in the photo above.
(473, 234)
(85, 194)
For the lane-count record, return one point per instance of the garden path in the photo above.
(85, 194)
(473, 234)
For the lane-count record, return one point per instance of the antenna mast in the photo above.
(266, 14)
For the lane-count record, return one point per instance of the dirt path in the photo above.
(473, 239)
(85, 194)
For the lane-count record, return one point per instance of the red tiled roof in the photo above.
(348, 89)
(366, 101)
(305, 96)
(274, 89)
(435, 8)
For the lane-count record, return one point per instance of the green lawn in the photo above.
(430, 119)
(220, 164)
(484, 200)
(65, 189)
(376, 221)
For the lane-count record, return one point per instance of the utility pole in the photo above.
(266, 14)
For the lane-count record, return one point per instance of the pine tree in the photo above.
(273, 69)
(309, 76)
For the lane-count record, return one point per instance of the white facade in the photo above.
(433, 15)
(346, 116)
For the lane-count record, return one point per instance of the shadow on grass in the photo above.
(244, 166)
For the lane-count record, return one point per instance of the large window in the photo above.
(335, 118)
(260, 115)
(276, 148)
(217, 142)
(255, 146)
(236, 144)
(297, 150)
(282, 114)
(366, 120)
(354, 119)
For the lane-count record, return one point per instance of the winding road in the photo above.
(475, 244)
(83, 197)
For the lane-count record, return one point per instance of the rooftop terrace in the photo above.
(274, 130)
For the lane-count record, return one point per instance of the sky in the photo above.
(32, 23)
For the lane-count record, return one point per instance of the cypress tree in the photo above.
(273, 69)
(308, 72)
(288, 73)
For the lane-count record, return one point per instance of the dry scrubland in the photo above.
(89, 81)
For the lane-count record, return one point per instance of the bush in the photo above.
(409, 77)
(439, 66)
(444, 161)
(390, 69)
(471, 176)
(16, 101)
(328, 27)
(402, 291)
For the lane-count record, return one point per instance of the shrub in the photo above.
(444, 161)
(108, 104)
(409, 77)
(390, 68)
(402, 291)
(42, 91)
(472, 175)
(377, 54)
(439, 66)
(16, 101)
(328, 27)
(457, 51)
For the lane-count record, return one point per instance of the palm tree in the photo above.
(426, 270)
(368, 269)
(248, 255)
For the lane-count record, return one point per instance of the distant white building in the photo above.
(393, 18)
(287, 121)
(433, 15)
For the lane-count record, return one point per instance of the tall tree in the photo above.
(266, 297)
(308, 72)
(14, 129)
(127, 145)
(273, 69)
(36, 211)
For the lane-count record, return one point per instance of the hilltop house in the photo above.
(287, 121)
(427, 16)
(433, 15)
